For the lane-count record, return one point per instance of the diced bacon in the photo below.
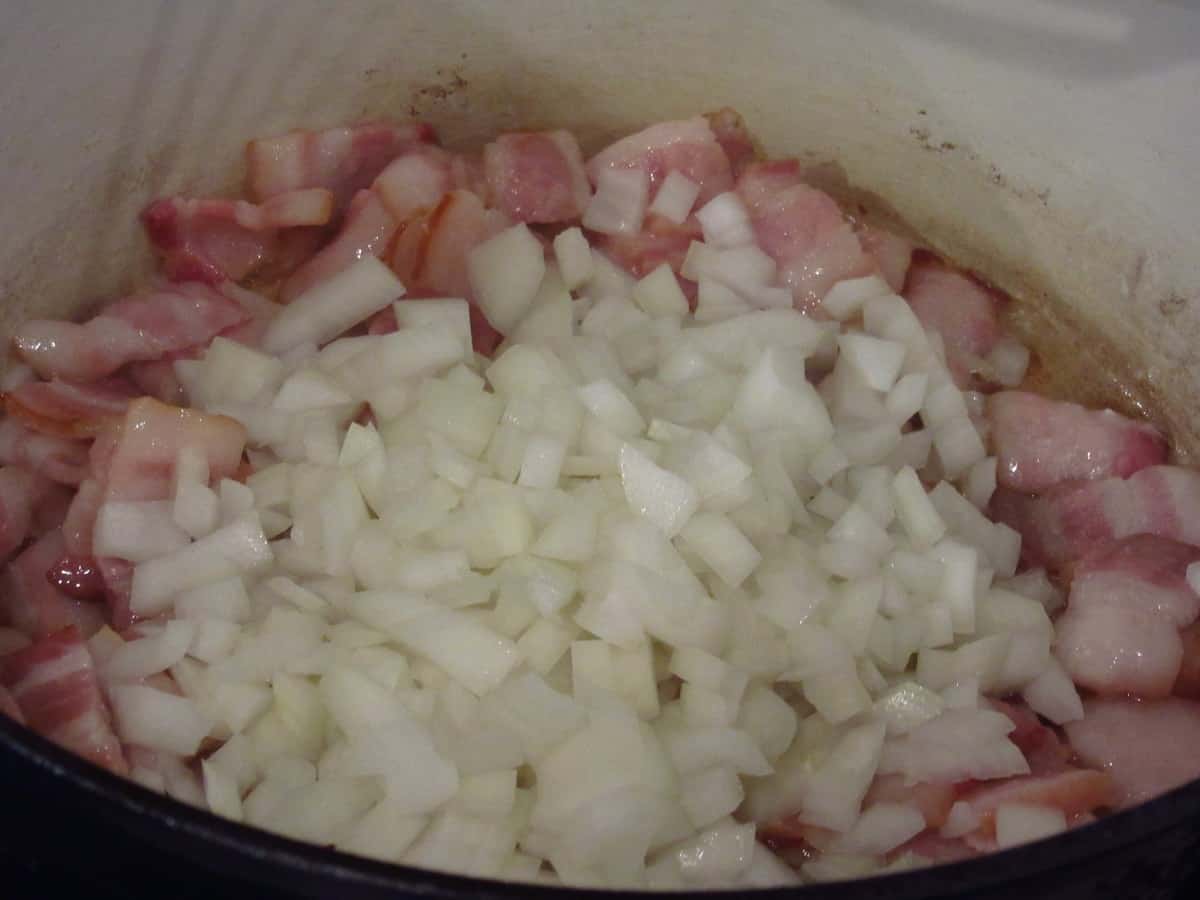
(891, 254)
(933, 799)
(149, 441)
(802, 229)
(789, 833)
(33, 605)
(1071, 519)
(938, 850)
(1147, 748)
(342, 160)
(148, 325)
(731, 133)
(383, 322)
(117, 575)
(212, 240)
(1043, 750)
(70, 409)
(688, 147)
(367, 230)
(1041, 442)
(1120, 632)
(20, 492)
(51, 510)
(156, 378)
(54, 683)
(1187, 683)
(78, 577)
(415, 181)
(660, 241)
(958, 308)
(81, 517)
(8, 707)
(59, 459)
(537, 177)
(1075, 793)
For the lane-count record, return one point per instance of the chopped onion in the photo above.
(619, 203)
(675, 197)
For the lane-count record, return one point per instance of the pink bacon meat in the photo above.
(1041, 442)
(1120, 633)
(148, 325)
(35, 606)
(1071, 519)
(537, 177)
(70, 409)
(54, 683)
(59, 459)
(341, 160)
(688, 147)
(891, 253)
(802, 229)
(1147, 748)
(20, 492)
(958, 308)
(212, 240)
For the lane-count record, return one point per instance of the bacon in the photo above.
(78, 577)
(1120, 632)
(70, 409)
(149, 440)
(54, 683)
(891, 254)
(1147, 748)
(417, 180)
(33, 605)
(802, 229)
(660, 241)
(1187, 683)
(383, 322)
(117, 576)
(958, 308)
(1043, 750)
(688, 147)
(790, 833)
(20, 491)
(1041, 442)
(8, 707)
(341, 160)
(1075, 793)
(81, 517)
(59, 459)
(156, 378)
(731, 133)
(1072, 518)
(537, 176)
(212, 240)
(367, 230)
(150, 325)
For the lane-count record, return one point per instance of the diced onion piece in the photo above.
(724, 549)
(725, 221)
(1009, 360)
(450, 313)
(619, 204)
(505, 273)
(574, 257)
(880, 829)
(157, 720)
(331, 306)
(844, 300)
(878, 362)
(656, 493)
(1053, 695)
(137, 531)
(675, 197)
(659, 294)
(1020, 823)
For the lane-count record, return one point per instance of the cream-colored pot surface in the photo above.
(1053, 145)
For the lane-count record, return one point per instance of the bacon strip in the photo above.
(33, 605)
(1041, 442)
(59, 459)
(537, 177)
(54, 683)
(148, 325)
(958, 308)
(20, 491)
(688, 147)
(70, 409)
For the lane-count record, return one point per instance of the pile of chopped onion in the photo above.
(589, 610)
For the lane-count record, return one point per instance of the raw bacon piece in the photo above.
(20, 491)
(1120, 632)
(78, 577)
(891, 254)
(1187, 684)
(81, 517)
(117, 576)
(1043, 750)
(59, 459)
(1071, 519)
(537, 176)
(688, 147)
(802, 229)
(70, 409)
(156, 378)
(149, 325)
(54, 683)
(33, 605)
(731, 133)
(416, 181)
(8, 707)
(342, 160)
(212, 240)
(1148, 748)
(149, 440)
(1041, 442)
(1075, 793)
(367, 230)
(660, 241)
(958, 308)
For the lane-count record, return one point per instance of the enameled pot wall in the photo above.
(1050, 145)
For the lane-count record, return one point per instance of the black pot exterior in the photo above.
(68, 823)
